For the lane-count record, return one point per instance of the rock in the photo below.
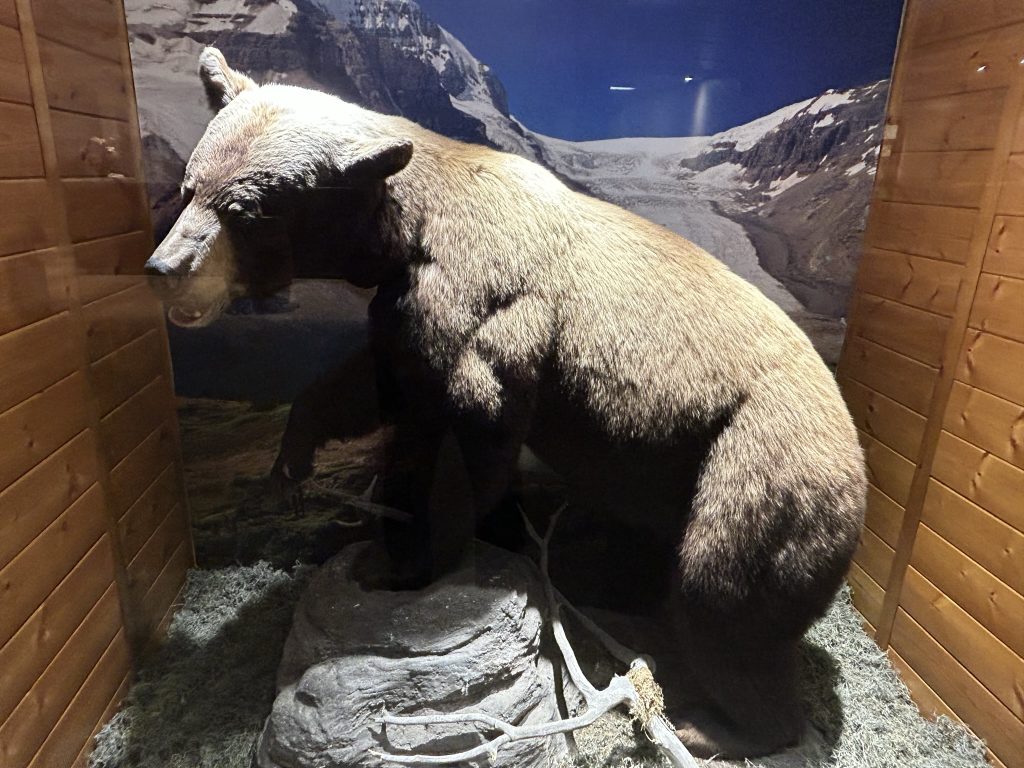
(471, 641)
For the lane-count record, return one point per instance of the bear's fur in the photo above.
(511, 310)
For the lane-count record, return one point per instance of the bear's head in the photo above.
(285, 182)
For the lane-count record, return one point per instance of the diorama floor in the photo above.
(201, 698)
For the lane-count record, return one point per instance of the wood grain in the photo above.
(20, 154)
(883, 516)
(140, 467)
(986, 421)
(925, 230)
(914, 280)
(999, 306)
(36, 428)
(994, 545)
(1005, 255)
(993, 364)
(92, 146)
(104, 207)
(874, 556)
(962, 121)
(154, 554)
(945, 19)
(991, 602)
(27, 224)
(8, 14)
(981, 477)
(93, 26)
(976, 62)
(35, 357)
(117, 320)
(82, 761)
(81, 82)
(110, 264)
(32, 287)
(992, 721)
(913, 332)
(893, 424)
(130, 423)
(892, 374)
(69, 735)
(928, 702)
(1011, 194)
(13, 74)
(934, 178)
(997, 667)
(27, 654)
(122, 373)
(37, 569)
(146, 514)
(867, 595)
(32, 503)
(167, 587)
(887, 470)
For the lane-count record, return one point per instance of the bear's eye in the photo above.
(246, 209)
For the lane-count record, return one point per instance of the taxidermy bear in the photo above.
(511, 311)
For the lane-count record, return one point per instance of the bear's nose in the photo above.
(155, 268)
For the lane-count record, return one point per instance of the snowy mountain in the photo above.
(780, 199)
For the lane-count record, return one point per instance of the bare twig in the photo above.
(644, 702)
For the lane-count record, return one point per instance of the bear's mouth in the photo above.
(190, 317)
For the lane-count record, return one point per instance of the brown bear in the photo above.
(511, 311)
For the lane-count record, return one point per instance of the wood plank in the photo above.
(993, 722)
(887, 470)
(1005, 255)
(20, 153)
(928, 702)
(35, 357)
(42, 565)
(154, 554)
(989, 422)
(34, 718)
(104, 207)
(151, 509)
(8, 15)
(93, 26)
(962, 121)
(984, 538)
(894, 375)
(28, 223)
(13, 73)
(32, 503)
(24, 658)
(981, 477)
(993, 364)
(920, 282)
(999, 306)
(935, 178)
(976, 62)
(997, 667)
(126, 426)
(125, 371)
(1011, 193)
(912, 332)
(82, 761)
(35, 429)
(32, 287)
(110, 264)
(867, 595)
(874, 557)
(140, 467)
(945, 19)
(883, 418)
(69, 735)
(991, 602)
(883, 516)
(92, 146)
(925, 230)
(117, 320)
(159, 600)
(81, 82)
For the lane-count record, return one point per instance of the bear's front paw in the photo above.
(286, 485)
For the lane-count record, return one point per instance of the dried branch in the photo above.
(637, 690)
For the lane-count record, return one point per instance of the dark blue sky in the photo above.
(557, 58)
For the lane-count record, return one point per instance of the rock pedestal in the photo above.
(469, 642)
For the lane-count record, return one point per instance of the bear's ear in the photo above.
(221, 82)
(373, 161)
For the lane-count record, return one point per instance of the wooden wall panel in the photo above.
(95, 539)
(20, 153)
(933, 370)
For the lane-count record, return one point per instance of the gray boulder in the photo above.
(471, 641)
